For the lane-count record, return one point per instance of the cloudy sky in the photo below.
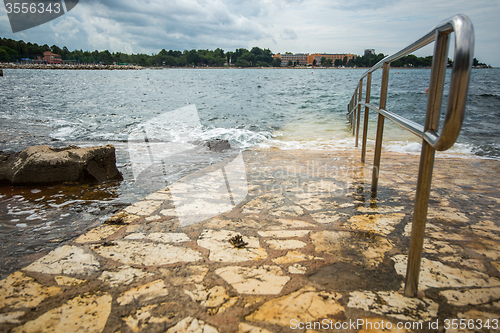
(309, 26)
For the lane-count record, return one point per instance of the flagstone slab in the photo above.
(192, 325)
(297, 269)
(217, 241)
(11, 317)
(246, 328)
(209, 298)
(123, 275)
(484, 318)
(99, 233)
(144, 207)
(293, 257)
(68, 260)
(380, 209)
(284, 233)
(394, 305)
(68, 281)
(87, 314)
(326, 217)
(254, 280)
(487, 247)
(285, 244)
(434, 274)
(382, 224)
(162, 237)
(143, 293)
(291, 223)
(19, 290)
(471, 296)
(140, 319)
(363, 247)
(147, 254)
(304, 305)
(184, 275)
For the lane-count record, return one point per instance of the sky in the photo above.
(309, 26)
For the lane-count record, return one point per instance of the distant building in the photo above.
(369, 51)
(51, 58)
(336, 56)
(304, 59)
(299, 58)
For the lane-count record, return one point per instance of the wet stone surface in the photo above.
(307, 244)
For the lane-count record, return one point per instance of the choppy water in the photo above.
(291, 109)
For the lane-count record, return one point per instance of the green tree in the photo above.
(323, 61)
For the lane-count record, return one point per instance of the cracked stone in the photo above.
(192, 325)
(185, 275)
(292, 257)
(20, 290)
(143, 293)
(378, 223)
(254, 280)
(284, 233)
(471, 296)
(160, 237)
(292, 210)
(68, 281)
(211, 298)
(124, 275)
(327, 217)
(68, 260)
(80, 314)
(98, 234)
(144, 208)
(285, 244)
(394, 305)
(221, 250)
(148, 254)
(379, 210)
(139, 320)
(434, 274)
(11, 317)
(297, 269)
(246, 328)
(304, 305)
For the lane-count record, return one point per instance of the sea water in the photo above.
(283, 108)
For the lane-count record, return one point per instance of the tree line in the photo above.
(13, 51)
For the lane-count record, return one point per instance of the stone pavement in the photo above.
(306, 250)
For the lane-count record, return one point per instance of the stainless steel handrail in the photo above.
(431, 140)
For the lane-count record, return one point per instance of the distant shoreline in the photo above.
(137, 67)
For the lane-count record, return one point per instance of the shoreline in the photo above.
(137, 67)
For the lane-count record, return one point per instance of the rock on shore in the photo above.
(48, 165)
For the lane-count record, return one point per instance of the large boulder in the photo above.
(47, 165)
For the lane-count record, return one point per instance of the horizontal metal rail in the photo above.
(431, 140)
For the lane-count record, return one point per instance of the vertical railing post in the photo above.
(380, 128)
(426, 165)
(365, 122)
(360, 94)
(355, 101)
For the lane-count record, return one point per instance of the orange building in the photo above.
(51, 58)
(318, 56)
(304, 59)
